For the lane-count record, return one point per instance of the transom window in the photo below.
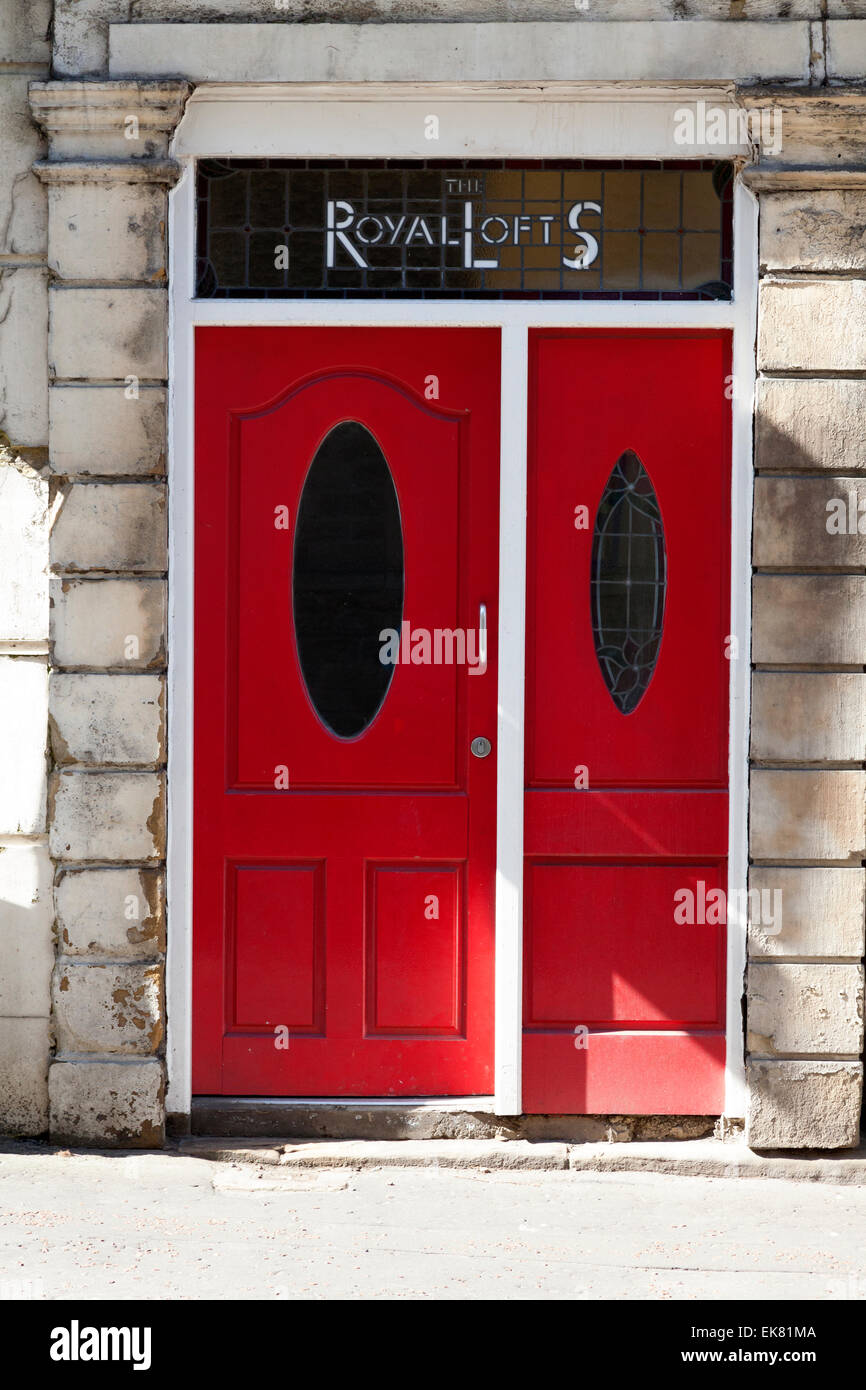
(481, 229)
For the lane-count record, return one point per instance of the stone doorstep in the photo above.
(693, 1158)
(455, 1117)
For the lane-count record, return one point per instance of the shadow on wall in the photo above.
(807, 783)
(26, 963)
(26, 907)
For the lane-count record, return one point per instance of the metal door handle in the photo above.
(480, 746)
(481, 667)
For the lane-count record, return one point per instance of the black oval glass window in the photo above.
(628, 582)
(347, 578)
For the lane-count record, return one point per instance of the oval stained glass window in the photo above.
(628, 582)
(347, 578)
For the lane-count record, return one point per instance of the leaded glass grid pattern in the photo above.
(628, 582)
(664, 232)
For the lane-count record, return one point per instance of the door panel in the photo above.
(275, 925)
(674, 974)
(415, 984)
(627, 721)
(344, 835)
(594, 399)
(422, 450)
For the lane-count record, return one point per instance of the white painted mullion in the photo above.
(181, 422)
(743, 369)
(510, 775)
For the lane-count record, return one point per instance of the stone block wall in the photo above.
(81, 26)
(26, 912)
(107, 178)
(83, 368)
(808, 742)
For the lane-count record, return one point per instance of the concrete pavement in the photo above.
(165, 1225)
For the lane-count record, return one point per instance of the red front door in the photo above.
(627, 723)
(346, 556)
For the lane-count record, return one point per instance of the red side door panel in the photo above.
(343, 887)
(624, 1004)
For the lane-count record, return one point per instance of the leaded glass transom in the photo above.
(464, 229)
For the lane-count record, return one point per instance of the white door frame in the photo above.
(514, 122)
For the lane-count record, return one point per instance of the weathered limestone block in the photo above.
(126, 333)
(108, 1008)
(108, 1104)
(812, 619)
(24, 1049)
(23, 744)
(470, 11)
(823, 912)
(107, 815)
(107, 430)
(107, 719)
(808, 716)
(801, 423)
(107, 231)
(23, 221)
(109, 622)
(568, 51)
(846, 48)
(807, 815)
(819, 229)
(816, 325)
(805, 1009)
(475, 11)
(822, 131)
(111, 912)
(24, 28)
(26, 939)
(110, 527)
(23, 551)
(806, 522)
(81, 35)
(128, 119)
(804, 1105)
(23, 355)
